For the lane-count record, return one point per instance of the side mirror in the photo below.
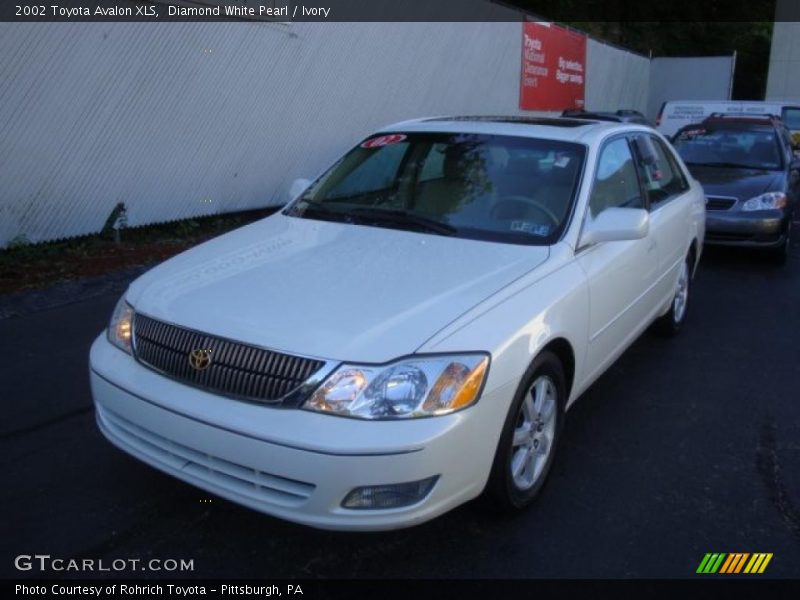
(298, 187)
(616, 225)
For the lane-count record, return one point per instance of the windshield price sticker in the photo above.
(692, 133)
(384, 140)
(531, 228)
(561, 161)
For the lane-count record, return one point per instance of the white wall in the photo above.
(187, 119)
(689, 78)
(783, 82)
(615, 78)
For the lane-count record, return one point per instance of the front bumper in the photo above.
(290, 463)
(758, 229)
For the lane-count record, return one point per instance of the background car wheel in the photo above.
(779, 256)
(670, 324)
(527, 446)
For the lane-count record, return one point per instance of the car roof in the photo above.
(554, 128)
(734, 123)
(749, 103)
(623, 115)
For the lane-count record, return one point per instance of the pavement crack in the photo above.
(769, 468)
(48, 423)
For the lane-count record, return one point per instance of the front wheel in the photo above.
(671, 323)
(530, 436)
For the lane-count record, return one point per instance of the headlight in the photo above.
(766, 201)
(120, 329)
(421, 386)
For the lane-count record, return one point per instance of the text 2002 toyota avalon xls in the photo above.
(408, 332)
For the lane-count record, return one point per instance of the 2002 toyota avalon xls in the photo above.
(409, 331)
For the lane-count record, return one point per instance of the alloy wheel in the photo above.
(534, 433)
(681, 295)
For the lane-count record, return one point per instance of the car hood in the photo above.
(329, 290)
(736, 183)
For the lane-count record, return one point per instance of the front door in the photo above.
(620, 275)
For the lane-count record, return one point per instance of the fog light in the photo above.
(393, 495)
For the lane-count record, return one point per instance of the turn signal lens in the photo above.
(457, 387)
(120, 329)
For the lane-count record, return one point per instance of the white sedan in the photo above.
(410, 330)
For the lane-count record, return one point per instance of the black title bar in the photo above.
(397, 10)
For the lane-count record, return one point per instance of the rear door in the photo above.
(667, 190)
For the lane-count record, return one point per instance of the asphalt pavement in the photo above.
(685, 446)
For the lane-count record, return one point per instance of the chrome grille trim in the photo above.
(237, 369)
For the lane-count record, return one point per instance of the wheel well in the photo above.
(693, 254)
(563, 350)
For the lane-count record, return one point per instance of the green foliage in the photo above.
(186, 228)
(21, 241)
(628, 11)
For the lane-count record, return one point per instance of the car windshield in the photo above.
(744, 147)
(490, 187)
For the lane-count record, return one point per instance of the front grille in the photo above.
(719, 203)
(236, 369)
(718, 236)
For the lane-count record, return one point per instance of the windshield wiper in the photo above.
(401, 217)
(317, 210)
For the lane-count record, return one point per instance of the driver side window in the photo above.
(615, 184)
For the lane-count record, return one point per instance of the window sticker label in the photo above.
(532, 228)
(689, 133)
(562, 160)
(384, 140)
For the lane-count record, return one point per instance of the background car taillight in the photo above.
(660, 112)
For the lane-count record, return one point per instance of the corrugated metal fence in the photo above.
(187, 119)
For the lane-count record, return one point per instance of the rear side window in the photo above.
(662, 178)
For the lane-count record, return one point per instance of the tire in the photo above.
(780, 255)
(671, 323)
(534, 422)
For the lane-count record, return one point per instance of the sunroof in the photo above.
(551, 122)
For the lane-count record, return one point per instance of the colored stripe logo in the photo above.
(734, 562)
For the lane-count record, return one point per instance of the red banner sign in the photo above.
(553, 67)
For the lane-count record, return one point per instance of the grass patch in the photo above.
(30, 266)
